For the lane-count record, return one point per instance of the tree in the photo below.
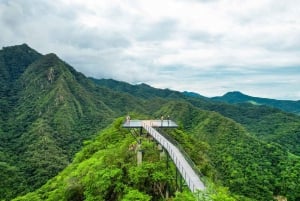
(136, 195)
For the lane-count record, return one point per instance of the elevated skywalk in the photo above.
(189, 175)
(187, 172)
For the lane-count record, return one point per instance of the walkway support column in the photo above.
(139, 153)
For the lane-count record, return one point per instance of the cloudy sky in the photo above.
(206, 46)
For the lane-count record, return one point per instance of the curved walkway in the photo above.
(191, 178)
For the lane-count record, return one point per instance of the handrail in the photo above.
(186, 156)
(191, 178)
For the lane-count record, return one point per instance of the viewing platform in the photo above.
(153, 123)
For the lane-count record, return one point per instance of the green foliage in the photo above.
(74, 190)
(222, 194)
(108, 172)
(268, 124)
(186, 196)
(154, 173)
(30, 197)
(249, 167)
(134, 194)
(290, 178)
(51, 110)
(10, 176)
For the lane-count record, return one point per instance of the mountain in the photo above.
(140, 90)
(238, 97)
(192, 94)
(47, 111)
(60, 138)
(13, 62)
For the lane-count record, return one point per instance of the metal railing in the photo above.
(186, 156)
(188, 173)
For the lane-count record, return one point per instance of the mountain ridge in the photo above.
(239, 97)
(49, 110)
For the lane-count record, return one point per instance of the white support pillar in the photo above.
(162, 153)
(139, 155)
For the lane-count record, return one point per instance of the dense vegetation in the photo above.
(266, 123)
(93, 175)
(246, 165)
(48, 110)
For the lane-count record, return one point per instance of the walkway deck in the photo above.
(153, 123)
(189, 175)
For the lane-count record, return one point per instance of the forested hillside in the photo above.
(93, 175)
(224, 152)
(140, 90)
(267, 123)
(48, 110)
(248, 166)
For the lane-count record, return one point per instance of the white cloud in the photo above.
(209, 47)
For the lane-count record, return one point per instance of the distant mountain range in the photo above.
(60, 136)
(144, 90)
(238, 97)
